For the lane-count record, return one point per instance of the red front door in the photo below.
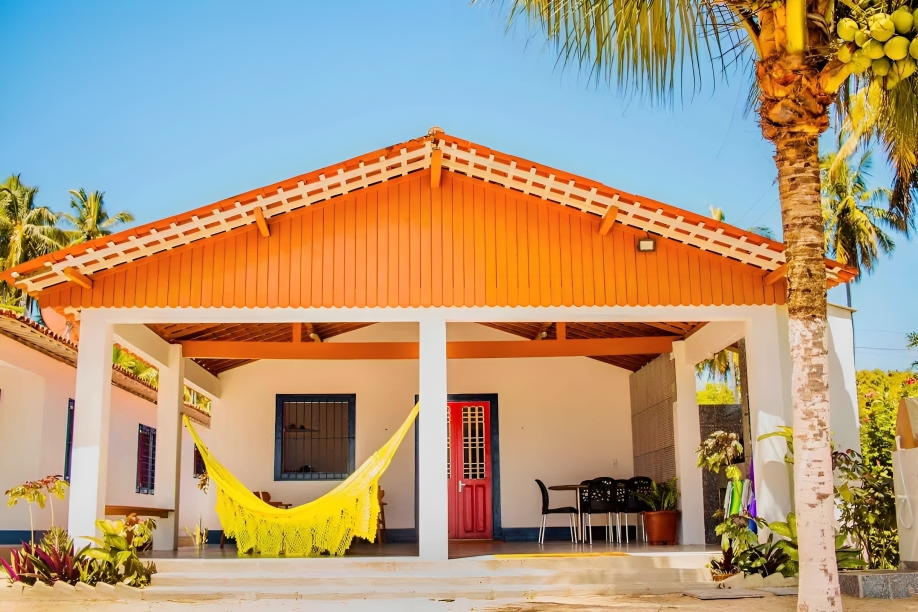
(469, 469)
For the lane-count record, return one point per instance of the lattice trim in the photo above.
(458, 156)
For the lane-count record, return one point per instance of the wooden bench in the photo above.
(127, 510)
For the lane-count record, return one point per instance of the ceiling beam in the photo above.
(600, 347)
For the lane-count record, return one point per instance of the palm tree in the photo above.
(91, 220)
(853, 214)
(721, 367)
(26, 230)
(912, 343)
(657, 51)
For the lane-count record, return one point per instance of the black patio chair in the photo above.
(637, 485)
(620, 505)
(602, 501)
(569, 510)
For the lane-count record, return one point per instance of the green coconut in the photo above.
(844, 54)
(861, 37)
(881, 27)
(913, 48)
(873, 49)
(847, 28)
(900, 71)
(881, 67)
(896, 48)
(902, 19)
(859, 62)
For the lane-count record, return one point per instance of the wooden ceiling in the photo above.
(585, 331)
(283, 332)
(251, 332)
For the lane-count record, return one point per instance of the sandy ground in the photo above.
(644, 603)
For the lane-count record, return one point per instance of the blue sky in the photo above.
(170, 105)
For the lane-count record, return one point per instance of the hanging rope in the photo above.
(324, 526)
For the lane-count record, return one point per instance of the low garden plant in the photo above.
(53, 559)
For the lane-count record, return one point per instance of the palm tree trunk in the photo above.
(797, 160)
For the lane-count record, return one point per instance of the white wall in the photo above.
(33, 423)
(843, 409)
(561, 420)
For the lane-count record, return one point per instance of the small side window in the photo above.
(146, 459)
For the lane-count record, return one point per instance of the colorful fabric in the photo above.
(324, 526)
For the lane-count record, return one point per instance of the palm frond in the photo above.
(652, 49)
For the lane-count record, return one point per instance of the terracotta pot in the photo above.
(661, 526)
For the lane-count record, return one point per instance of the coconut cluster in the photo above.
(886, 44)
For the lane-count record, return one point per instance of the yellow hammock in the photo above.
(325, 525)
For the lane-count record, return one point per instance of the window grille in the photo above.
(473, 442)
(68, 442)
(199, 467)
(314, 437)
(146, 459)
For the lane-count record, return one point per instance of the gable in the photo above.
(402, 243)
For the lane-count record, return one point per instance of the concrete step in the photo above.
(423, 589)
(457, 578)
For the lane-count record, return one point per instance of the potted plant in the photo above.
(661, 519)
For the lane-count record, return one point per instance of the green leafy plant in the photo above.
(36, 492)
(867, 507)
(865, 498)
(662, 495)
(115, 560)
(769, 557)
(719, 451)
(20, 567)
(54, 559)
(845, 556)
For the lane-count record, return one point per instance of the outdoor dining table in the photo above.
(576, 489)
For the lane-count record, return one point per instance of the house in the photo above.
(559, 319)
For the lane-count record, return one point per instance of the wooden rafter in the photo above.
(596, 347)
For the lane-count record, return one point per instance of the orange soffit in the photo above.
(382, 230)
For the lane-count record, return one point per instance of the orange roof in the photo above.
(231, 222)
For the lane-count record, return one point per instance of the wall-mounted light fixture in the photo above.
(647, 245)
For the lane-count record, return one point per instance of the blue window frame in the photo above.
(146, 459)
(68, 442)
(314, 437)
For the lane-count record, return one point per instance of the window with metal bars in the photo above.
(314, 437)
(68, 442)
(146, 459)
(199, 467)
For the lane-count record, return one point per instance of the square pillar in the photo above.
(687, 438)
(170, 398)
(768, 372)
(89, 469)
(433, 500)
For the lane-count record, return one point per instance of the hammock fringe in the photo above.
(323, 526)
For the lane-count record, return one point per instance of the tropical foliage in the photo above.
(715, 393)
(912, 343)
(878, 404)
(28, 231)
(134, 365)
(90, 220)
(662, 495)
(113, 561)
(37, 492)
(855, 217)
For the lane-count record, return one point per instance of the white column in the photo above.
(433, 501)
(169, 447)
(687, 436)
(768, 370)
(89, 470)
